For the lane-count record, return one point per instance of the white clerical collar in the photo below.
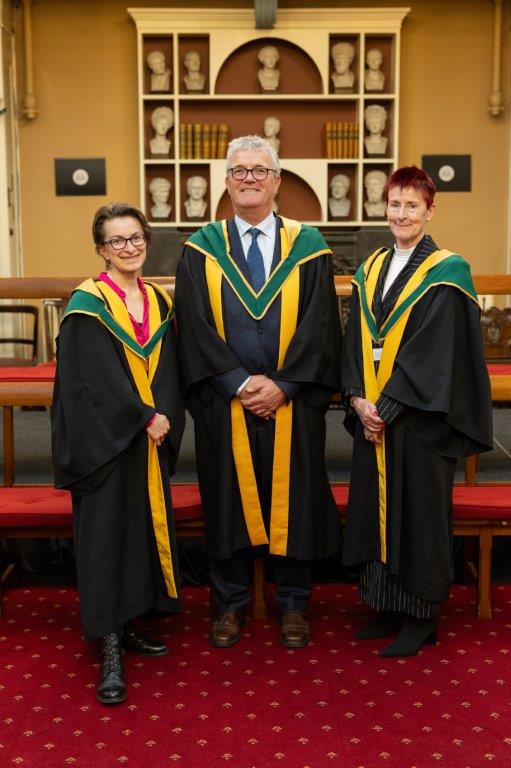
(402, 254)
(266, 226)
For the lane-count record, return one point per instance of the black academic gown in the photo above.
(100, 455)
(440, 379)
(312, 363)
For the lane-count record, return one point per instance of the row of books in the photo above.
(203, 141)
(341, 140)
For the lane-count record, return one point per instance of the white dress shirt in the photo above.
(265, 241)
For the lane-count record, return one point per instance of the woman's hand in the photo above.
(373, 437)
(159, 428)
(368, 415)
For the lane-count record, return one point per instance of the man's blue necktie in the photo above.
(255, 261)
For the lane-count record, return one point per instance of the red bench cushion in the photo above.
(186, 501)
(476, 502)
(41, 372)
(499, 369)
(340, 493)
(47, 506)
(34, 506)
(481, 502)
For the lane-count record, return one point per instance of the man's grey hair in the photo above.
(255, 143)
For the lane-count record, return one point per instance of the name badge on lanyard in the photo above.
(377, 351)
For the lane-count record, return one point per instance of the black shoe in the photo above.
(136, 643)
(111, 688)
(384, 624)
(413, 635)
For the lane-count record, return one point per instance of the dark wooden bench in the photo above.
(481, 511)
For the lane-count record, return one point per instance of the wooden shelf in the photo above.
(228, 47)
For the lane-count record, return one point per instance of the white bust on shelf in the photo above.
(342, 56)
(162, 120)
(374, 78)
(195, 205)
(159, 189)
(338, 203)
(268, 75)
(160, 73)
(194, 79)
(374, 182)
(375, 117)
(271, 129)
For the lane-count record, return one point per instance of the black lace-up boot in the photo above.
(111, 688)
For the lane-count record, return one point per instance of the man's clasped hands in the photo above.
(262, 396)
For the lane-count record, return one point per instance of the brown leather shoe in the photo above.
(226, 629)
(295, 631)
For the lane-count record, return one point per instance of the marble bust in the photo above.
(194, 79)
(375, 117)
(159, 189)
(374, 78)
(271, 129)
(162, 120)
(195, 205)
(374, 182)
(268, 75)
(342, 56)
(160, 73)
(338, 203)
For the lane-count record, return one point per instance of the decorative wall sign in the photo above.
(451, 173)
(80, 177)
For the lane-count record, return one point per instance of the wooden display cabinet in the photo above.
(322, 126)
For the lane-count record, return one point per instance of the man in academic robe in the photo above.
(259, 340)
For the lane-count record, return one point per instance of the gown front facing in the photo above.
(124, 536)
(439, 397)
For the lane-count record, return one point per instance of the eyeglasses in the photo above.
(259, 173)
(118, 243)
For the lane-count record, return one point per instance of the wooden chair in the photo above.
(21, 311)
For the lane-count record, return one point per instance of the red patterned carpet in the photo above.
(334, 704)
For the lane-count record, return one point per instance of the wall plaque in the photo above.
(80, 177)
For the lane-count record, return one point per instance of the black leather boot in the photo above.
(111, 688)
(382, 625)
(133, 641)
(413, 635)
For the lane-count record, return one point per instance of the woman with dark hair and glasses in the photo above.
(417, 394)
(117, 421)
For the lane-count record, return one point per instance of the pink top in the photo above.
(141, 329)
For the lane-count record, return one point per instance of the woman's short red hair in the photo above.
(416, 178)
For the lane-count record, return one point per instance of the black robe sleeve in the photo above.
(202, 350)
(313, 357)
(439, 375)
(96, 409)
(352, 367)
(440, 370)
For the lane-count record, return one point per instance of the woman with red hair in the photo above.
(417, 397)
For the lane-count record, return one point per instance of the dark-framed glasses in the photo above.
(259, 173)
(118, 243)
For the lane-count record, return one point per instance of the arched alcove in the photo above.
(298, 72)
